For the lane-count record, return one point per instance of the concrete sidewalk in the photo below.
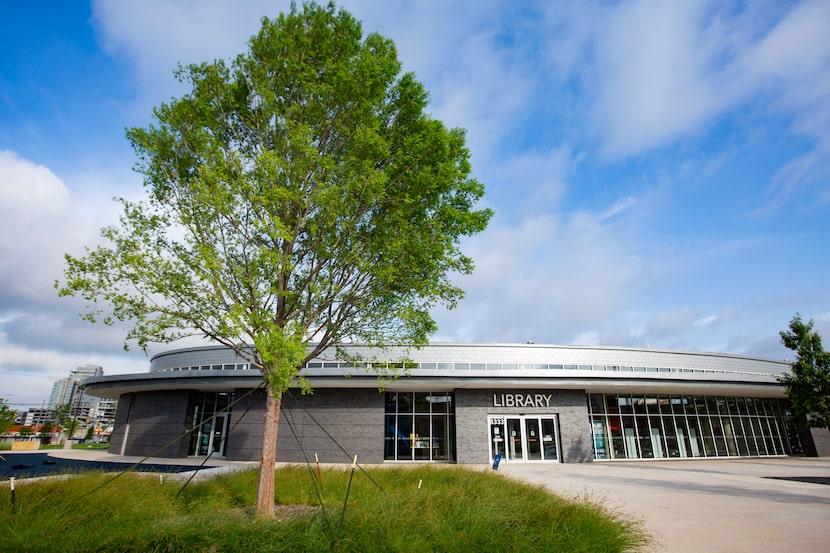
(730, 506)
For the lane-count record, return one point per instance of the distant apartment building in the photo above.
(68, 390)
(37, 417)
(85, 410)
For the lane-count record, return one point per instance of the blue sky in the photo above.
(660, 171)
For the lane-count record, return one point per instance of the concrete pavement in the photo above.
(694, 506)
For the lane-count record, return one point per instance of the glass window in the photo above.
(404, 402)
(599, 433)
(440, 438)
(419, 426)
(421, 402)
(624, 403)
(617, 443)
(644, 433)
(549, 448)
(630, 434)
(708, 438)
(596, 403)
(657, 426)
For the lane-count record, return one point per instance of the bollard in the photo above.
(11, 485)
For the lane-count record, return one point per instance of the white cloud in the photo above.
(34, 228)
(793, 60)
(654, 65)
(665, 71)
(544, 279)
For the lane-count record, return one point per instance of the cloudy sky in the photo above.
(660, 171)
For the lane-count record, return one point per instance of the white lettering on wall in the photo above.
(522, 400)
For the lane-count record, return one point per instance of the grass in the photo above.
(455, 510)
(90, 446)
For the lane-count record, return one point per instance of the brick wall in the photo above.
(152, 423)
(321, 423)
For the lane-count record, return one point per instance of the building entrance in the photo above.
(210, 424)
(524, 438)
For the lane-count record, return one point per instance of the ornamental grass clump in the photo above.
(412, 509)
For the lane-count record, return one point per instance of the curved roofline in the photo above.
(506, 345)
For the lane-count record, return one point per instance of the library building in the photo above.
(463, 403)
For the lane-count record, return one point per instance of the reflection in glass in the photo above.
(534, 440)
(691, 426)
(419, 426)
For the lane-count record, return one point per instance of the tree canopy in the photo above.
(298, 197)
(808, 383)
(7, 416)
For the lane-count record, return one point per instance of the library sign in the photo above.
(521, 400)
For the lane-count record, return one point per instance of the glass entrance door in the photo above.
(524, 438)
(210, 424)
(212, 436)
(220, 427)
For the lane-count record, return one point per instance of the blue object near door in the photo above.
(496, 462)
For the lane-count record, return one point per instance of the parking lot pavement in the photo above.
(33, 464)
(776, 505)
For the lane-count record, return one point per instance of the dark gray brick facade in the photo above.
(334, 424)
(153, 424)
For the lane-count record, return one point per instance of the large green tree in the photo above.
(808, 382)
(298, 197)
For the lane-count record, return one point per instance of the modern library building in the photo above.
(463, 403)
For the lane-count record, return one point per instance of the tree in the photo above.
(63, 417)
(298, 197)
(808, 384)
(25, 431)
(46, 432)
(7, 415)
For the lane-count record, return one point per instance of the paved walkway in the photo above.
(732, 506)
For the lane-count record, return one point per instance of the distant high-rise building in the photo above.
(66, 390)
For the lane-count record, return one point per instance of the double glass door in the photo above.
(212, 436)
(524, 438)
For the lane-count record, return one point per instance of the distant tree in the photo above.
(298, 198)
(26, 431)
(90, 432)
(63, 418)
(7, 416)
(46, 432)
(808, 383)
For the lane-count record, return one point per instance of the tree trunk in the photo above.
(267, 462)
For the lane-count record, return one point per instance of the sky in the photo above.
(659, 170)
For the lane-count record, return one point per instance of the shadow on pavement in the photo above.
(32, 465)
